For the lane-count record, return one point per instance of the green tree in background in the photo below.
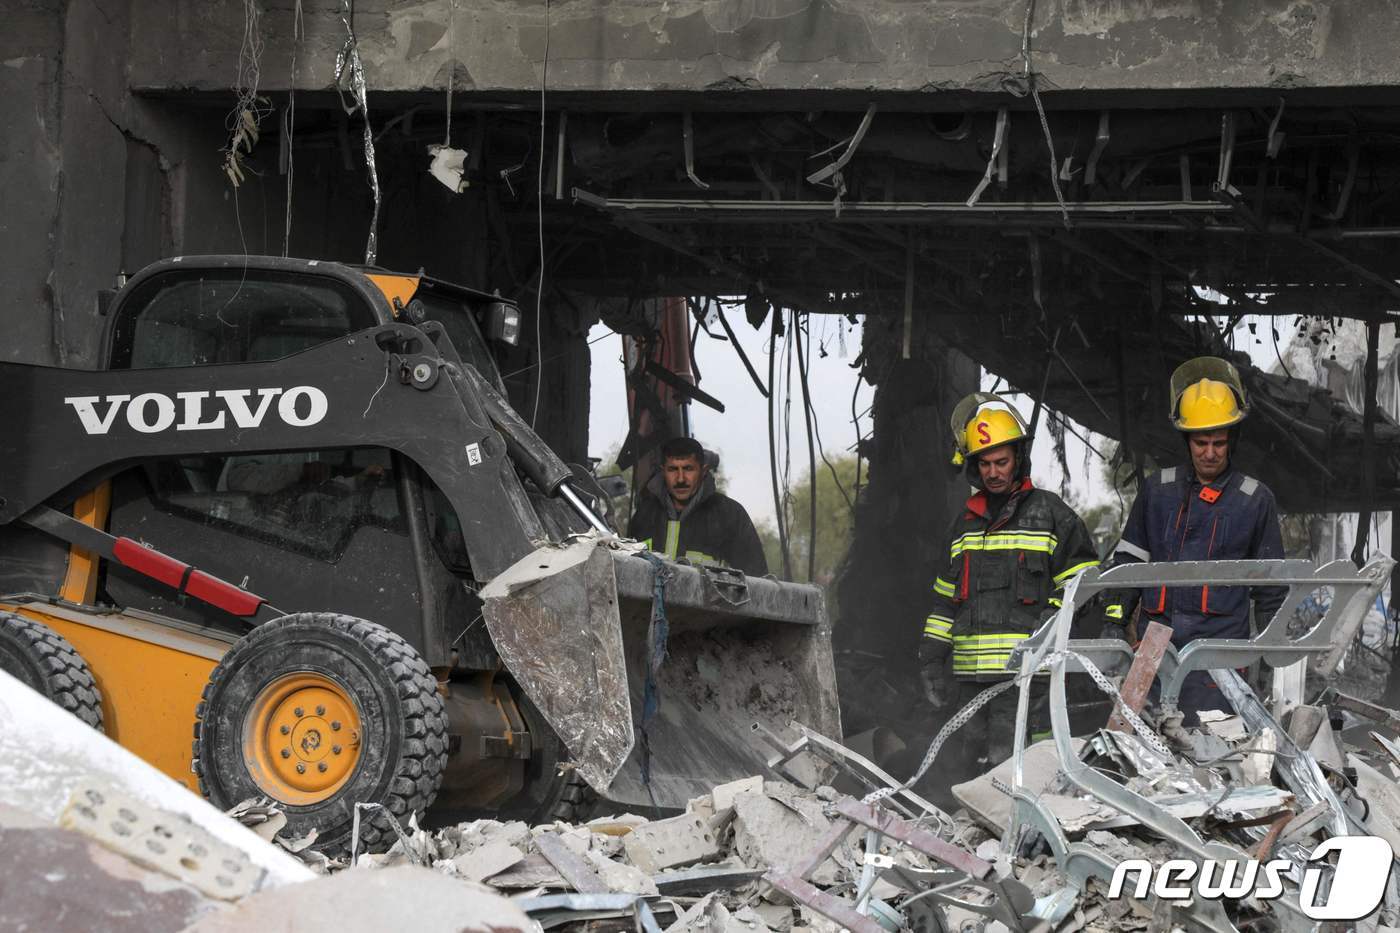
(834, 522)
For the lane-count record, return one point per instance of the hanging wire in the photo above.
(539, 223)
(298, 32)
(349, 58)
(451, 67)
(1031, 83)
(804, 371)
(797, 324)
(244, 121)
(773, 444)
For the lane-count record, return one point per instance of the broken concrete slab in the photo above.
(772, 832)
(674, 843)
(1325, 747)
(992, 808)
(574, 868)
(1077, 814)
(534, 871)
(51, 873)
(486, 860)
(723, 796)
(47, 755)
(1222, 724)
(357, 901)
(620, 877)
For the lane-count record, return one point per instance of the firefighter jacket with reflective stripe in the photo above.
(711, 529)
(1176, 517)
(1004, 576)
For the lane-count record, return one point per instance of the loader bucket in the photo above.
(571, 625)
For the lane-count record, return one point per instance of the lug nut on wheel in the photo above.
(320, 711)
(301, 768)
(286, 753)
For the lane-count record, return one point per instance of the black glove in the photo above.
(1112, 628)
(936, 674)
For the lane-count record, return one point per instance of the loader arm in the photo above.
(392, 385)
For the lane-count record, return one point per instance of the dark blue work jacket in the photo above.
(1177, 518)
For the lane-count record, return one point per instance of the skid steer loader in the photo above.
(293, 515)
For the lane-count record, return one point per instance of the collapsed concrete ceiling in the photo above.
(1162, 226)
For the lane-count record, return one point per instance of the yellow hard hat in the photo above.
(1207, 395)
(984, 420)
(991, 428)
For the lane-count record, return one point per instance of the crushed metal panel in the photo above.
(553, 616)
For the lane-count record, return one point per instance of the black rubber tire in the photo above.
(42, 659)
(551, 795)
(573, 802)
(403, 720)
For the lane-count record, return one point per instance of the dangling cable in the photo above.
(539, 222)
(290, 129)
(773, 445)
(811, 449)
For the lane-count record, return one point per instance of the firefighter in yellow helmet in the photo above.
(1010, 553)
(1204, 509)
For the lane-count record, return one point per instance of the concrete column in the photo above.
(905, 509)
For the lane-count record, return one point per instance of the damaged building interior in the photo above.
(1064, 200)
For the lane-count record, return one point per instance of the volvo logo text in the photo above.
(153, 412)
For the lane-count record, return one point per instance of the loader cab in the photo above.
(354, 529)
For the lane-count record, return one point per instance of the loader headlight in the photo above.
(503, 323)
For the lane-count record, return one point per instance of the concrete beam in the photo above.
(791, 45)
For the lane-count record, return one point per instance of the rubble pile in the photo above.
(760, 855)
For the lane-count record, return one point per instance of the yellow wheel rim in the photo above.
(301, 740)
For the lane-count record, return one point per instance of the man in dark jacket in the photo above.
(682, 515)
(1201, 510)
(1010, 554)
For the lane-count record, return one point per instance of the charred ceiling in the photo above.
(1155, 230)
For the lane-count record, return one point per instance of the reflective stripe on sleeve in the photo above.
(939, 627)
(1113, 612)
(943, 588)
(1063, 576)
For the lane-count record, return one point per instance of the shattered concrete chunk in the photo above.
(774, 828)
(1223, 725)
(368, 902)
(534, 871)
(777, 917)
(487, 860)
(620, 877)
(674, 843)
(992, 808)
(723, 795)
